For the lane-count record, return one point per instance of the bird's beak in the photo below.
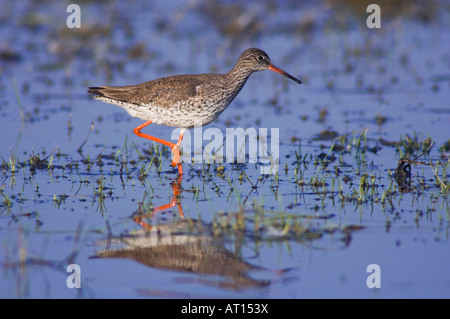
(278, 70)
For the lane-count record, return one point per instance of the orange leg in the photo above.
(175, 147)
(176, 200)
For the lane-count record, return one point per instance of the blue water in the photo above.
(401, 72)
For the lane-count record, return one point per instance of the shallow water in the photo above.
(75, 196)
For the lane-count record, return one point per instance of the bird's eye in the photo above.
(260, 58)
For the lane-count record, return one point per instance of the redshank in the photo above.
(186, 100)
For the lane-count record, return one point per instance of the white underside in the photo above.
(185, 116)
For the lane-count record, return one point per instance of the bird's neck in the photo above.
(237, 77)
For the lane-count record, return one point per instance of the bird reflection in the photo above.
(184, 245)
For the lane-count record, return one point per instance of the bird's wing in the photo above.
(168, 90)
(164, 91)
